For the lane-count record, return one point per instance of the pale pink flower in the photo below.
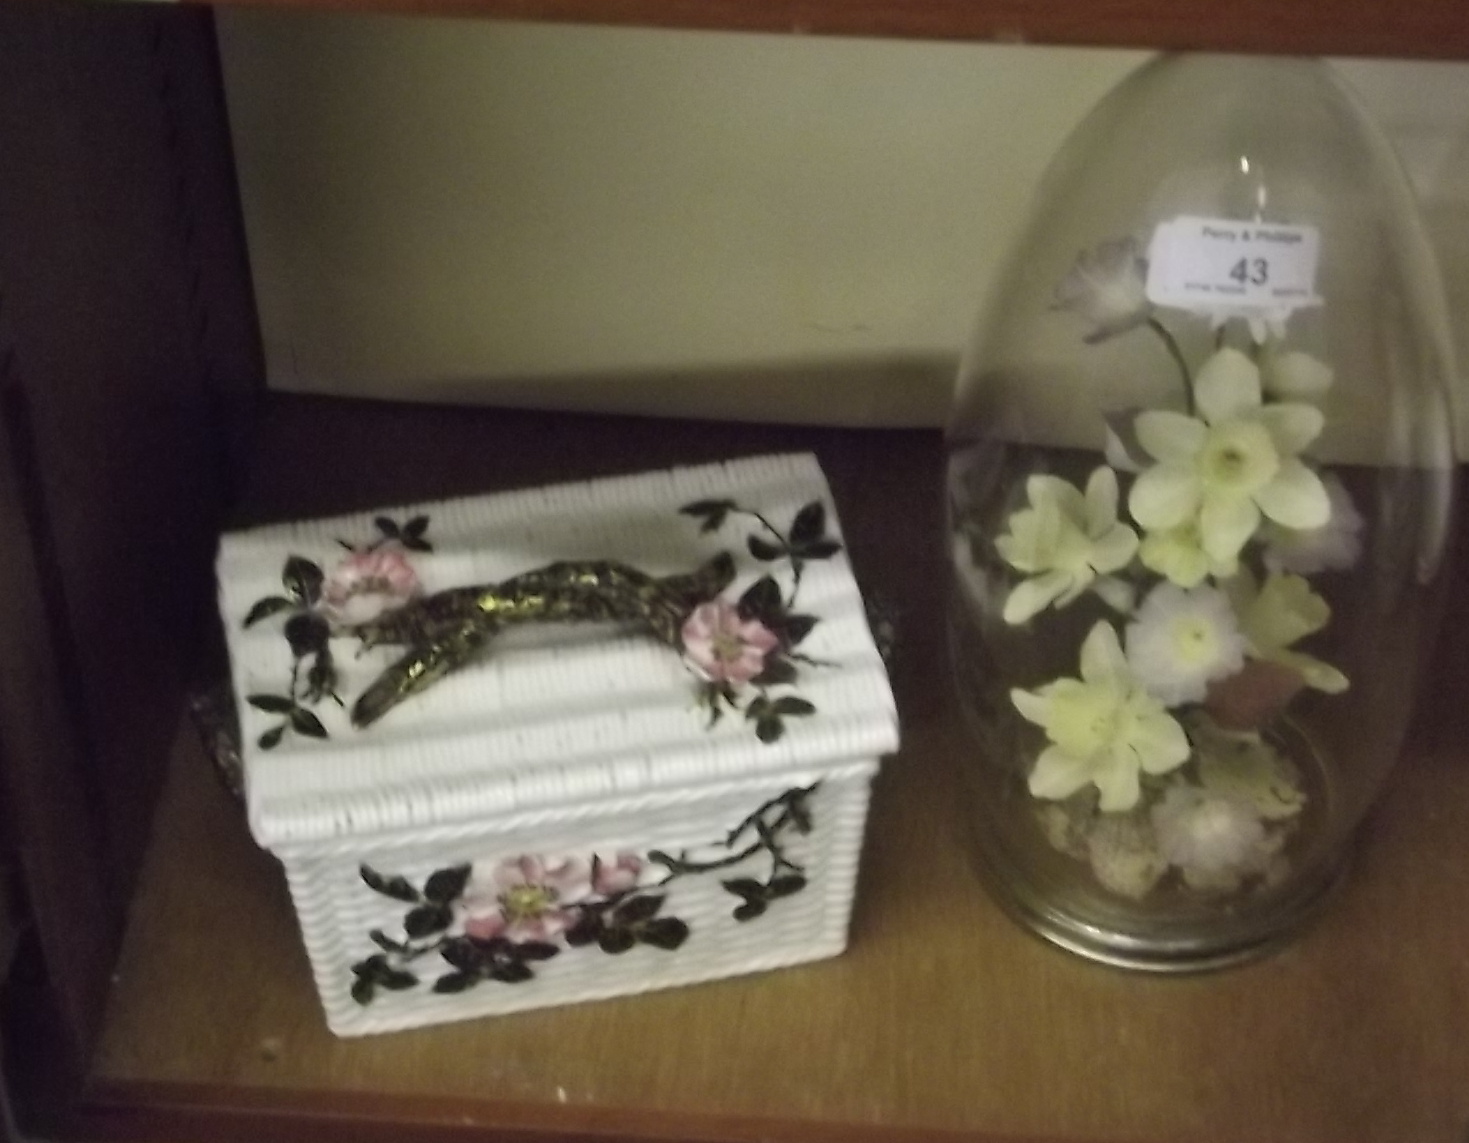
(367, 583)
(525, 898)
(722, 647)
(616, 876)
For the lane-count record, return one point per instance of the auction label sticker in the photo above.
(1212, 263)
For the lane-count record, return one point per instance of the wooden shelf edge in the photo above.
(131, 1112)
(1433, 29)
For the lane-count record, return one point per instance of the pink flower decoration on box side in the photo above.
(526, 898)
(619, 875)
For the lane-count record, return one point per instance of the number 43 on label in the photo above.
(1210, 264)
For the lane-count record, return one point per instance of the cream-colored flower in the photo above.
(1104, 728)
(1245, 765)
(1230, 466)
(1335, 546)
(1293, 375)
(1178, 555)
(1279, 614)
(1063, 542)
(1106, 286)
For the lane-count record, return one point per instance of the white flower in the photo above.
(1063, 541)
(1181, 641)
(1104, 728)
(1279, 614)
(1106, 286)
(1214, 840)
(1334, 546)
(1178, 555)
(1234, 463)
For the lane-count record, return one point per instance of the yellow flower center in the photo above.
(526, 902)
(726, 647)
(1194, 639)
(1238, 457)
(1087, 719)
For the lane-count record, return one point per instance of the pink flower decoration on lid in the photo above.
(368, 583)
(724, 648)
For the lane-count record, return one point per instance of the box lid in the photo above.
(775, 670)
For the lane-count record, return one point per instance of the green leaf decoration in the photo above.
(397, 888)
(616, 940)
(664, 933)
(749, 910)
(797, 627)
(809, 524)
(711, 512)
(363, 990)
(304, 722)
(818, 550)
(387, 526)
(801, 816)
(415, 528)
(464, 954)
(777, 672)
(790, 704)
(536, 950)
(512, 972)
(762, 601)
(321, 679)
(271, 738)
(763, 549)
(385, 942)
(302, 580)
(585, 931)
(396, 980)
(456, 981)
(759, 707)
(769, 729)
(637, 909)
(426, 920)
(746, 887)
(271, 704)
(445, 885)
(785, 885)
(265, 608)
(373, 968)
(307, 634)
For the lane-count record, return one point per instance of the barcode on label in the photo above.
(1212, 264)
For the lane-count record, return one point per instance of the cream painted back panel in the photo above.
(761, 227)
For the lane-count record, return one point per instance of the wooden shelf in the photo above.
(1433, 29)
(942, 1017)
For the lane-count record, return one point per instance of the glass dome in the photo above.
(1199, 473)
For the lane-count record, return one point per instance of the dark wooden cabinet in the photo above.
(157, 990)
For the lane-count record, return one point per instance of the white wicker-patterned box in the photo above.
(579, 809)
